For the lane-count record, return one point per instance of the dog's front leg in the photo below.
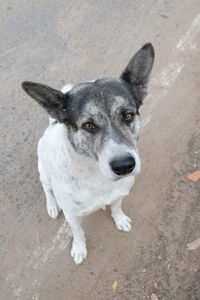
(122, 221)
(79, 250)
(52, 206)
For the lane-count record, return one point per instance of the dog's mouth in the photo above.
(118, 178)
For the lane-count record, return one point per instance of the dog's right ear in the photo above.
(53, 101)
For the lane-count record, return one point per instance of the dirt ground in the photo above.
(59, 41)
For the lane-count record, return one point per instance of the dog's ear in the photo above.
(53, 101)
(138, 71)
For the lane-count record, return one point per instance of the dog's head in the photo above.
(102, 117)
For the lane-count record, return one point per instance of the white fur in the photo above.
(67, 88)
(78, 185)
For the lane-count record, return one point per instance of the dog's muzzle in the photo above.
(123, 165)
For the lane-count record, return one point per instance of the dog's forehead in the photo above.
(102, 95)
(115, 92)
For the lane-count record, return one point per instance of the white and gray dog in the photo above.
(87, 157)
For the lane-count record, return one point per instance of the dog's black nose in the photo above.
(123, 165)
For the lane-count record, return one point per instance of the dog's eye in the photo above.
(128, 117)
(89, 127)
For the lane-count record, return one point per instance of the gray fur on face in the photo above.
(103, 103)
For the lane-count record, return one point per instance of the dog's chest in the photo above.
(88, 196)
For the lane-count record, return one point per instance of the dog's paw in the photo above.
(78, 252)
(122, 222)
(53, 210)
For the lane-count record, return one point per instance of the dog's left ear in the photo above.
(138, 71)
(52, 100)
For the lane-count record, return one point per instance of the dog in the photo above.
(87, 157)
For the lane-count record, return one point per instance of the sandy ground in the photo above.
(59, 41)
